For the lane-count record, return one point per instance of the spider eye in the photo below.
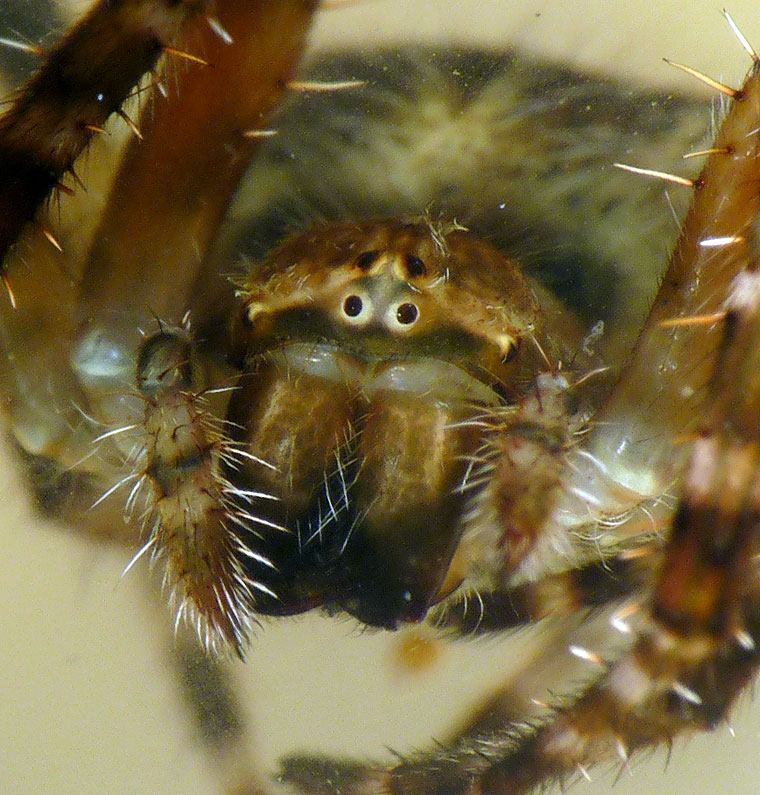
(402, 316)
(357, 309)
(365, 261)
(407, 314)
(415, 266)
(353, 306)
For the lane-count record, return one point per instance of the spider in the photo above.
(69, 247)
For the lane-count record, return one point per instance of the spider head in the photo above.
(389, 290)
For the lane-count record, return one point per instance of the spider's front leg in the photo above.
(697, 648)
(75, 305)
(194, 521)
(98, 301)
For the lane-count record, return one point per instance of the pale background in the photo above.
(86, 705)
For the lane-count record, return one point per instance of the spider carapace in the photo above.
(389, 404)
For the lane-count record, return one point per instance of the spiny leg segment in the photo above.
(197, 515)
(81, 82)
(85, 79)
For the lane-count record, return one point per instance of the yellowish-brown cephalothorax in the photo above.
(381, 360)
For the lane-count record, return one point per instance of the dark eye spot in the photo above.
(407, 314)
(353, 305)
(511, 354)
(365, 261)
(415, 266)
